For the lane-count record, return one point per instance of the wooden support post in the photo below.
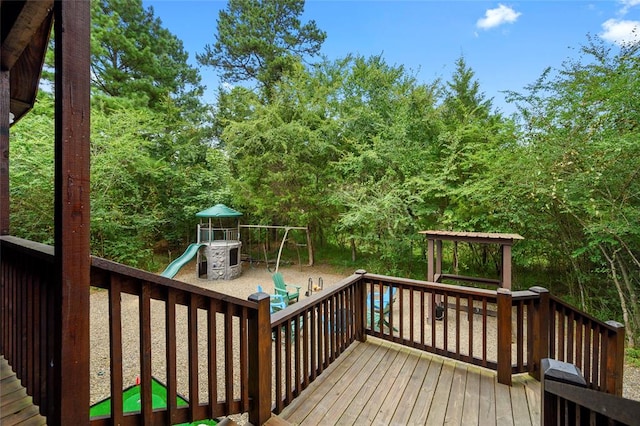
(538, 330)
(506, 266)
(504, 336)
(430, 260)
(5, 106)
(70, 364)
(310, 247)
(615, 359)
(562, 372)
(260, 360)
(361, 307)
(438, 261)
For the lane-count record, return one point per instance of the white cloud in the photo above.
(500, 15)
(620, 31)
(628, 4)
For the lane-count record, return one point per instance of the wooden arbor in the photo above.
(434, 256)
(25, 33)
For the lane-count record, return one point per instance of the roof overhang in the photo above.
(25, 31)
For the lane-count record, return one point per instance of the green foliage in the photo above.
(632, 357)
(261, 40)
(31, 173)
(133, 56)
(139, 193)
(582, 145)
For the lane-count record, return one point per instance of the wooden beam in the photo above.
(26, 24)
(70, 365)
(5, 90)
(25, 73)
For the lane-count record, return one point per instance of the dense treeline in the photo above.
(359, 150)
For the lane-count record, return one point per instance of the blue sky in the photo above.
(507, 44)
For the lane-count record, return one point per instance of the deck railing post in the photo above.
(259, 385)
(538, 330)
(615, 359)
(562, 372)
(504, 336)
(361, 307)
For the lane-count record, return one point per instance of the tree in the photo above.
(134, 56)
(281, 152)
(261, 40)
(581, 128)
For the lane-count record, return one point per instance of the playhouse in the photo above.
(217, 248)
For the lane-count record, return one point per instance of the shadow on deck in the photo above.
(378, 382)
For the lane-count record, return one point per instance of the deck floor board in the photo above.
(16, 407)
(400, 385)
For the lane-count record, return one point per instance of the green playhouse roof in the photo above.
(219, 210)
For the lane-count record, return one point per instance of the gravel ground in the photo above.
(241, 287)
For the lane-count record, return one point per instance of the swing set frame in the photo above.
(282, 243)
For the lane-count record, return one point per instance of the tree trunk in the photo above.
(352, 241)
(623, 303)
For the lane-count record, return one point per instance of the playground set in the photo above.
(218, 250)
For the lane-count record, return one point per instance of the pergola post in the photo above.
(70, 363)
(5, 96)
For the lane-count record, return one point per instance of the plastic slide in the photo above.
(175, 266)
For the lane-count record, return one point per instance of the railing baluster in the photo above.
(570, 337)
(305, 349)
(145, 352)
(315, 346)
(458, 324)
(115, 348)
(470, 334)
(171, 356)
(595, 371)
(192, 342)
(212, 356)
(244, 358)
(484, 332)
(278, 376)
(520, 334)
(295, 331)
(445, 322)
(287, 361)
(228, 356)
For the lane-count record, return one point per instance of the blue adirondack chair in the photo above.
(277, 302)
(381, 308)
(289, 291)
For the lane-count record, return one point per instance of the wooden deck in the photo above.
(382, 383)
(16, 407)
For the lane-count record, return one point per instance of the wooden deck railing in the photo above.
(231, 342)
(566, 401)
(311, 334)
(28, 311)
(596, 347)
(226, 337)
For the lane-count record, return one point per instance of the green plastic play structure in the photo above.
(131, 402)
(175, 266)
